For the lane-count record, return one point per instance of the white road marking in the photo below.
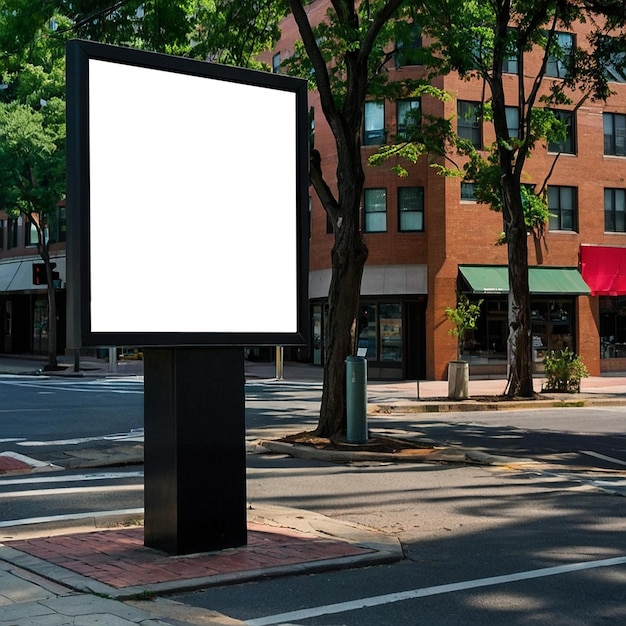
(64, 478)
(136, 435)
(342, 607)
(74, 516)
(123, 386)
(610, 459)
(64, 491)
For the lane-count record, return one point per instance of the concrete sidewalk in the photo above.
(54, 579)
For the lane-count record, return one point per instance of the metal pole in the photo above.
(279, 362)
(112, 359)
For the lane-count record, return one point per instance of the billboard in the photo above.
(187, 198)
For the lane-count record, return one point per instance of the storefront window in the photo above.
(391, 332)
(552, 323)
(367, 331)
(612, 327)
(380, 331)
(317, 334)
(40, 326)
(552, 328)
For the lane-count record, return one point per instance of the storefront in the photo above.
(553, 302)
(392, 320)
(604, 270)
(24, 308)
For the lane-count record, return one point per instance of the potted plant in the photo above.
(463, 318)
(564, 369)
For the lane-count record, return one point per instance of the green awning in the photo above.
(486, 279)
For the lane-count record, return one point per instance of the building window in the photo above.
(469, 123)
(568, 146)
(614, 134)
(512, 121)
(276, 63)
(408, 118)
(468, 192)
(615, 69)
(411, 209)
(561, 55)
(612, 327)
(614, 210)
(31, 234)
(562, 205)
(374, 123)
(408, 49)
(12, 238)
(510, 65)
(375, 208)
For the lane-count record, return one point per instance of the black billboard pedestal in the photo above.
(195, 465)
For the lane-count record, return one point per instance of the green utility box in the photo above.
(356, 399)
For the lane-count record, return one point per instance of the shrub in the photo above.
(564, 370)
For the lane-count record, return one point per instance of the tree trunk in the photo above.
(348, 259)
(520, 379)
(52, 310)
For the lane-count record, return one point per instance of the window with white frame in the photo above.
(374, 123)
(615, 210)
(562, 204)
(375, 210)
(411, 209)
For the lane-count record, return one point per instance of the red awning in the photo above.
(603, 268)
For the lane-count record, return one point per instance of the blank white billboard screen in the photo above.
(193, 216)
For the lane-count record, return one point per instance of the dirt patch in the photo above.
(389, 445)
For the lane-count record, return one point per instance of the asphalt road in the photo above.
(509, 544)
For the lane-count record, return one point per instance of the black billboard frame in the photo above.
(79, 328)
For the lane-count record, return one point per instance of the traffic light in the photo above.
(39, 274)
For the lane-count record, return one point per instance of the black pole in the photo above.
(195, 465)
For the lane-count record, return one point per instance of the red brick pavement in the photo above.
(119, 559)
(9, 464)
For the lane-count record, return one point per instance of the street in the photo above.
(539, 539)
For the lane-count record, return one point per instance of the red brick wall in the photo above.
(463, 232)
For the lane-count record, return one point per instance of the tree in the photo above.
(32, 102)
(32, 164)
(476, 39)
(463, 318)
(32, 141)
(345, 58)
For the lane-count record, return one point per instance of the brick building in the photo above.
(428, 238)
(23, 304)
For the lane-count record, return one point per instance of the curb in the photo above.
(426, 455)
(468, 406)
